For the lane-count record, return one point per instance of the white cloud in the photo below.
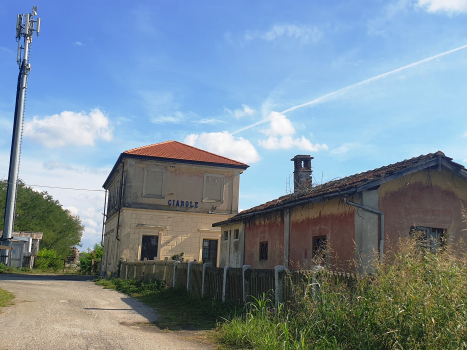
(69, 128)
(280, 135)
(448, 6)
(78, 43)
(208, 121)
(176, 117)
(225, 144)
(302, 33)
(239, 113)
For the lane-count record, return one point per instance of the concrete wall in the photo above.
(178, 232)
(183, 183)
(265, 228)
(333, 219)
(428, 198)
(367, 235)
(179, 216)
(231, 249)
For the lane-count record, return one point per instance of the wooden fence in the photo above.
(228, 284)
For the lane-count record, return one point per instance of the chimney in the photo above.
(302, 172)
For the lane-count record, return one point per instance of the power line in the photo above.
(66, 188)
(69, 188)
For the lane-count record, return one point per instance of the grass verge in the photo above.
(5, 298)
(178, 309)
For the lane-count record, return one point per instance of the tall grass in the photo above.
(417, 300)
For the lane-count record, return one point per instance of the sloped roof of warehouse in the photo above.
(177, 152)
(353, 183)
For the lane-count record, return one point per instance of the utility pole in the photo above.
(26, 25)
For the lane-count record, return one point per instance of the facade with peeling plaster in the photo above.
(163, 200)
(356, 218)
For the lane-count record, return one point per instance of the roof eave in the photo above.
(137, 156)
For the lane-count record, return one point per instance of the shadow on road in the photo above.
(21, 277)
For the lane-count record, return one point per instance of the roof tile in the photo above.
(179, 151)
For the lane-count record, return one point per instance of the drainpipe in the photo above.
(381, 214)
(103, 218)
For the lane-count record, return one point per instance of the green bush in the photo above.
(89, 261)
(48, 259)
(417, 300)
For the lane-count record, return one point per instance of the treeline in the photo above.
(39, 212)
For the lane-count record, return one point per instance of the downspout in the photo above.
(103, 218)
(381, 214)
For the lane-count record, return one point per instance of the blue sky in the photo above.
(108, 76)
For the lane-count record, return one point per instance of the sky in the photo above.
(356, 84)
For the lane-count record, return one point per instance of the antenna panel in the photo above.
(19, 20)
(34, 10)
(26, 25)
(38, 26)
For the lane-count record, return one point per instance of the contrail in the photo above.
(325, 97)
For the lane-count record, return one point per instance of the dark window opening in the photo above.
(319, 249)
(236, 233)
(149, 247)
(429, 238)
(263, 251)
(226, 235)
(210, 252)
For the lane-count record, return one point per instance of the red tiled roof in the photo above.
(179, 151)
(353, 182)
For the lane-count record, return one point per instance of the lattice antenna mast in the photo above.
(26, 25)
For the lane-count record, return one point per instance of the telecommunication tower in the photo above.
(26, 25)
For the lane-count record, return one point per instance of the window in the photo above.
(153, 185)
(210, 251)
(429, 238)
(236, 233)
(213, 188)
(149, 247)
(226, 235)
(319, 249)
(263, 250)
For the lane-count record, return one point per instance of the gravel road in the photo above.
(71, 312)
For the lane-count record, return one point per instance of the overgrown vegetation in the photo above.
(39, 212)
(415, 301)
(5, 298)
(178, 308)
(89, 261)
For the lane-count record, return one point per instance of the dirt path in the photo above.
(71, 312)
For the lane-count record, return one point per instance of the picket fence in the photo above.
(229, 284)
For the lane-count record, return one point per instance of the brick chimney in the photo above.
(302, 172)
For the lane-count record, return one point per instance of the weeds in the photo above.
(5, 298)
(416, 301)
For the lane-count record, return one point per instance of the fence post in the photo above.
(165, 269)
(225, 284)
(246, 278)
(188, 276)
(314, 283)
(175, 273)
(279, 272)
(204, 280)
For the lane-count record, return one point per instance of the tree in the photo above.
(39, 212)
